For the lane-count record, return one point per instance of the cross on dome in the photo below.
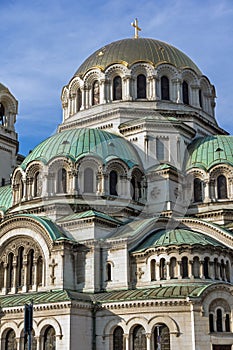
(136, 28)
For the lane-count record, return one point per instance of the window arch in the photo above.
(219, 316)
(206, 267)
(95, 93)
(185, 92)
(62, 181)
(49, 339)
(196, 267)
(117, 88)
(135, 188)
(11, 343)
(113, 178)
(30, 268)
(37, 184)
(2, 113)
(10, 271)
(165, 94)
(221, 187)
(161, 337)
(88, 180)
(39, 271)
(139, 338)
(118, 339)
(198, 190)
(141, 86)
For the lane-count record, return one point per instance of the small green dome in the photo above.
(164, 238)
(208, 151)
(130, 51)
(77, 143)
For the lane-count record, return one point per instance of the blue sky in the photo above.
(44, 42)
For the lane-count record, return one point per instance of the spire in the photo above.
(136, 28)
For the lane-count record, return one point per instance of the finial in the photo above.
(136, 28)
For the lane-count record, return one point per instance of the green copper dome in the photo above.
(211, 150)
(5, 197)
(77, 143)
(164, 238)
(130, 51)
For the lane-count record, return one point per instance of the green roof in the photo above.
(5, 197)
(130, 51)
(211, 150)
(77, 143)
(89, 214)
(164, 238)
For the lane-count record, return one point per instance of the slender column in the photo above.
(168, 271)
(157, 275)
(211, 270)
(13, 288)
(148, 341)
(179, 270)
(102, 91)
(126, 341)
(190, 269)
(34, 287)
(195, 96)
(202, 269)
(176, 91)
(206, 191)
(4, 290)
(24, 288)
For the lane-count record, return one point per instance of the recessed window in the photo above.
(221, 187)
(165, 95)
(113, 177)
(95, 93)
(185, 91)
(141, 86)
(88, 180)
(118, 339)
(117, 88)
(197, 190)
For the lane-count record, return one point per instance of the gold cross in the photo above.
(136, 27)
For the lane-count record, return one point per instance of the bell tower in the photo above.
(8, 136)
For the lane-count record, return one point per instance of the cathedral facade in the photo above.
(117, 230)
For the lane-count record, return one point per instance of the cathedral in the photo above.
(117, 230)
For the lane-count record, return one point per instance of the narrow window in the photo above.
(165, 88)
(219, 320)
(227, 323)
(2, 113)
(222, 187)
(109, 272)
(118, 338)
(30, 269)
(10, 271)
(139, 338)
(200, 98)
(160, 151)
(172, 267)
(211, 322)
(49, 339)
(117, 88)
(206, 267)
(113, 183)
(152, 270)
(185, 91)
(197, 189)
(39, 271)
(20, 269)
(1, 275)
(161, 337)
(88, 180)
(196, 267)
(184, 267)
(62, 181)
(162, 269)
(79, 100)
(141, 86)
(37, 185)
(95, 93)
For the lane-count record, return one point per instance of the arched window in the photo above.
(219, 320)
(185, 91)
(222, 187)
(37, 190)
(1, 275)
(196, 267)
(197, 190)
(79, 99)
(11, 343)
(227, 323)
(39, 271)
(152, 270)
(216, 275)
(206, 267)
(62, 181)
(88, 180)
(95, 93)
(162, 269)
(211, 322)
(117, 88)
(20, 269)
(141, 86)
(49, 339)
(172, 268)
(228, 274)
(113, 178)
(200, 98)
(30, 268)
(184, 267)
(10, 271)
(139, 338)
(118, 338)
(165, 95)
(161, 337)
(34, 342)
(109, 271)
(135, 188)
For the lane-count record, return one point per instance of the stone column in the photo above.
(211, 270)
(206, 198)
(102, 91)
(168, 271)
(190, 269)
(13, 288)
(202, 269)
(126, 96)
(176, 91)
(126, 341)
(148, 341)
(179, 270)
(4, 289)
(194, 101)
(24, 288)
(34, 287)
(157, 274)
